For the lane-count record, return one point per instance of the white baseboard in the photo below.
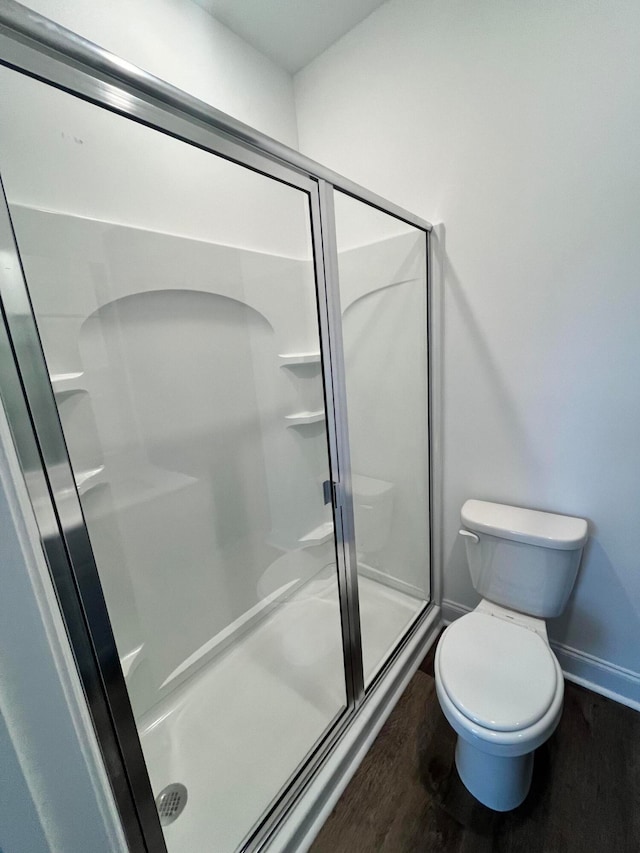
(615, 682)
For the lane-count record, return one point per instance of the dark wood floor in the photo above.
(406, 796)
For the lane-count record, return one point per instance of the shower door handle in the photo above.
(331, 496)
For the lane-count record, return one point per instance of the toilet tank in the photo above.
(521, 558)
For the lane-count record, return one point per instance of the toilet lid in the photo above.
(497, 673)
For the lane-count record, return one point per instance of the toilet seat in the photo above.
(499, 675)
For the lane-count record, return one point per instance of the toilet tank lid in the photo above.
(563, 532)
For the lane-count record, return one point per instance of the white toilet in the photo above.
(499, 684)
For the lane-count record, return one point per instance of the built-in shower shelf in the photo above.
(304, 418)
(291, 359)
(67, 383)
(320, 534)
(89, 479)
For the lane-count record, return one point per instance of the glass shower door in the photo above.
(175, 298)
(382, 270)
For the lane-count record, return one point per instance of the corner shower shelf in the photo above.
(304, 418)
(320, 534)
(292, 359)
(67, 383)
(89, 479)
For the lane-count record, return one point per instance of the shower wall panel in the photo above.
(179, 552)
(382, 266)
(382, 288)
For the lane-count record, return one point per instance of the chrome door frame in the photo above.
(32, 45)
(47, 471)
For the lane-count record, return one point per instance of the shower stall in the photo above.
(215, 364)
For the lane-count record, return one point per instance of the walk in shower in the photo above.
(216, 368)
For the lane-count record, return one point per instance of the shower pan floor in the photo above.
(235, 734)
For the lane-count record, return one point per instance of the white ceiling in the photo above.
(291, 32)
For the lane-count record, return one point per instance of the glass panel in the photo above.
(383, 295)
(174, 293)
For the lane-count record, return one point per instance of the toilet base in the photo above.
(499, 782)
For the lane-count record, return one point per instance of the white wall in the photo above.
(113, 169)
(517, 125)
(179, 42)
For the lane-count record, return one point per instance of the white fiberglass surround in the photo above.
(247, 303)
(188, 381)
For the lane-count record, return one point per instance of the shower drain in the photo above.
(170, 802)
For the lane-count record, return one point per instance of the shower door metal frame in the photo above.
(32, 45)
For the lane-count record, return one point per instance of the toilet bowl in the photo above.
(498, 682)
(501, 689)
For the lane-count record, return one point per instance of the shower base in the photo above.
(234, 734)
